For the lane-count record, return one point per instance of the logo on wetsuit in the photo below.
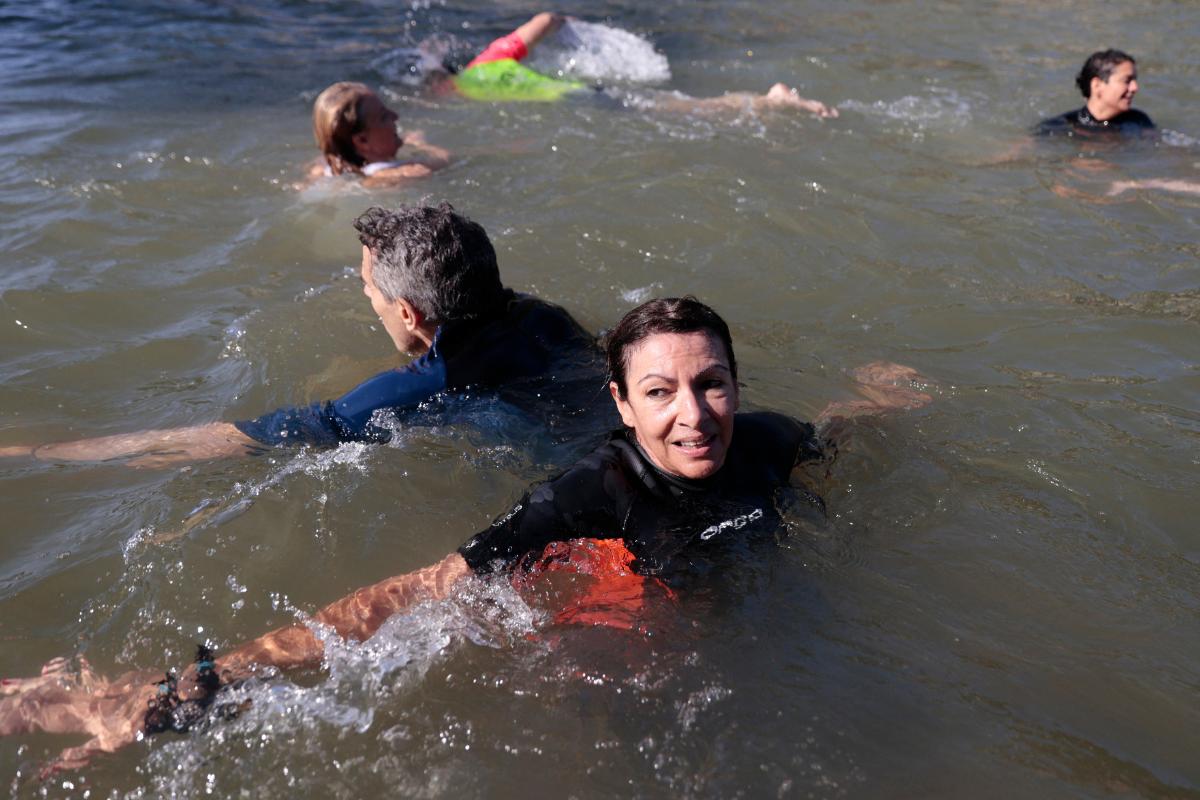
(735, 523)
(507, 516)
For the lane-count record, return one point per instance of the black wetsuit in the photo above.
(526, 338)
(615, 492)
(1082, 123)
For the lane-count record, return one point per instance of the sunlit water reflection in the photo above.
(1002, 600)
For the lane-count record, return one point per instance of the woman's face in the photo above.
(1115, 95)
(378, 139)
(680, 401)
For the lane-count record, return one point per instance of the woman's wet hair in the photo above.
(663, 315)
(1100, 65)
(434, 258)
(337, 117)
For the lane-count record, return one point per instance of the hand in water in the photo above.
(892, 386)
(886, 387)
(782, 95)
(77, 701)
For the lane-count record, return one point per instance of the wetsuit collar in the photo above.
(649, 473)
(1085, 118)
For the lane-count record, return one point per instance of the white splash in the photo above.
(283, 723)
(942, 109)
(641, 294)
(1176, 139)
(593, 51)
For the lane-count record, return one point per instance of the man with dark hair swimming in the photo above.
(432, 279)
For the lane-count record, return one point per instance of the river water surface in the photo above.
(1003, 598)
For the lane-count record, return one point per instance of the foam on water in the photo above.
(410, 66)
(1176, 139)
(216, 511)
(599, 52)
(585, 50)
(941, 109)
(284, 719)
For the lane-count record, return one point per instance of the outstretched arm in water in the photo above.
(356, 616)
(113, 713)
(156, 448)
(885, 387)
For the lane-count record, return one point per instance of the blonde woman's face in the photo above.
(378, 140)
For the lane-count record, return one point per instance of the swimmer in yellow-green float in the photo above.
(496, 74)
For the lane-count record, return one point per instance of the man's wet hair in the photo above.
(1100, 65)
(434, 258)
(663, 315)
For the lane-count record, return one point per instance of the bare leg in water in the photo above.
(779, 96)
(1162, 184)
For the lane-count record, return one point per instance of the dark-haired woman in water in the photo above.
(1108, 81)
(686, 479)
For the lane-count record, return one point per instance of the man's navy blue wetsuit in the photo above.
(1081, 122)
(615, 492)
(525, 338)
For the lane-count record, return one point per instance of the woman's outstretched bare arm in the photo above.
(113, 713)
(356, 616)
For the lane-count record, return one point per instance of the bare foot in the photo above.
(783, 96)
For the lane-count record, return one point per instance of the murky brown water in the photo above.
(1003, 601)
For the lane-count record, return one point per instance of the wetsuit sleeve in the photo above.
(811, 446)
(350, 417)
(583, 502)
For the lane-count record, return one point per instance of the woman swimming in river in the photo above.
(356, 134)
(1108, 81)
(685, 479)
